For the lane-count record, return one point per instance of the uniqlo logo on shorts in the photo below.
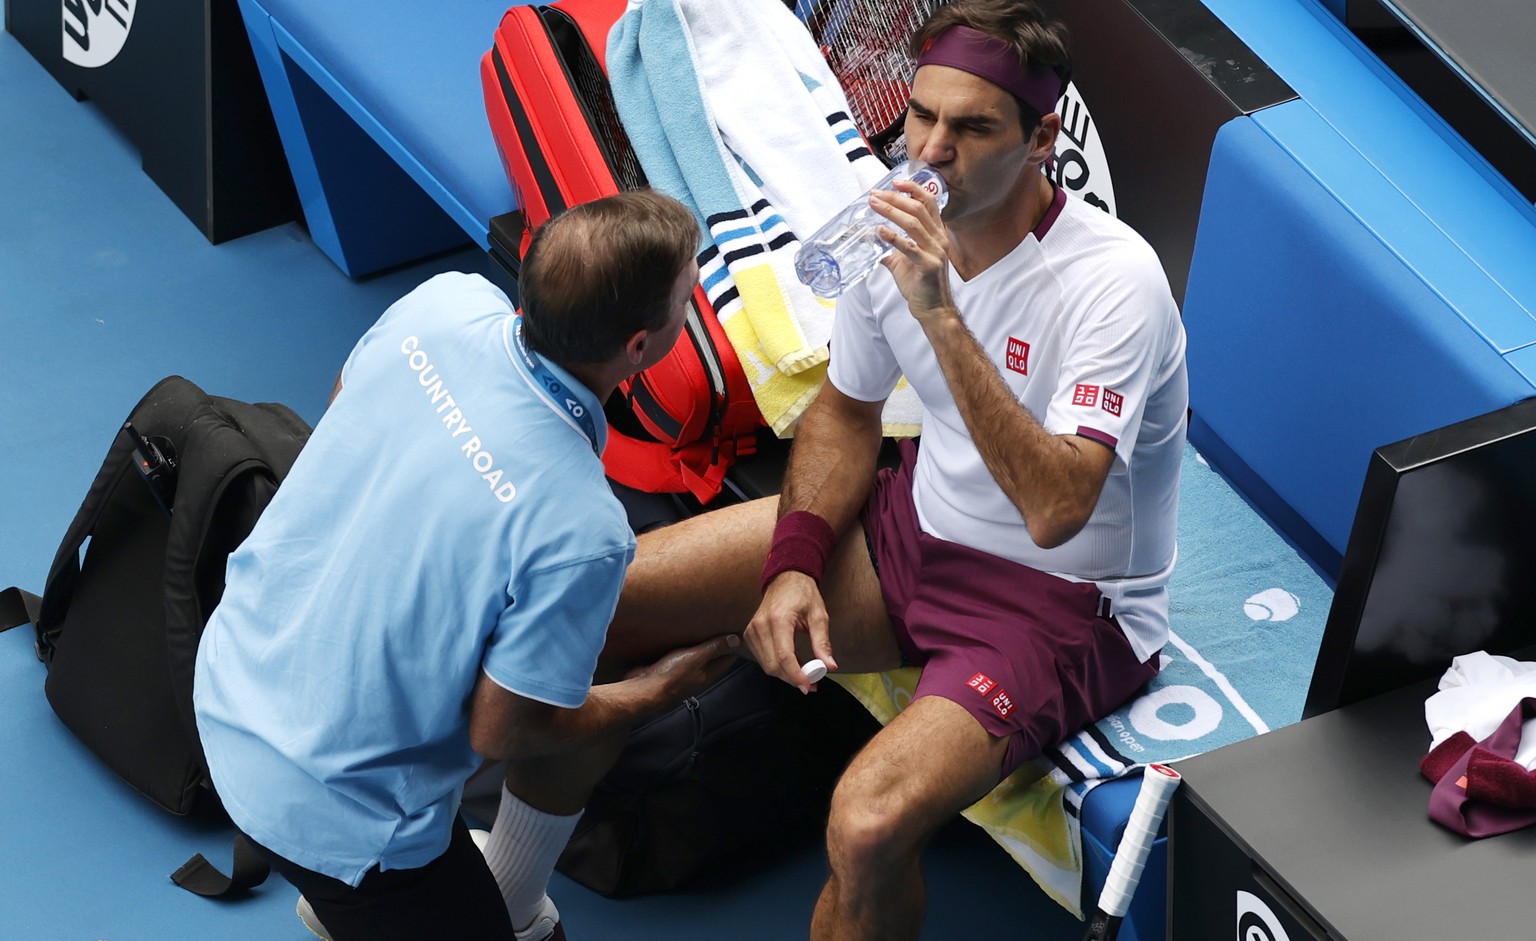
(982, 683)
(1018, 356)
(1113, 402)
(1085, 394)
(1002, 703)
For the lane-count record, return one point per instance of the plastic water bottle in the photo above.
(849, 246)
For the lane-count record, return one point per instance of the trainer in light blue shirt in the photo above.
(449, 516)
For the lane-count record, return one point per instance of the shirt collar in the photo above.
(560, 391)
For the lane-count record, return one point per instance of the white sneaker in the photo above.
(546, 927)
(307, 915)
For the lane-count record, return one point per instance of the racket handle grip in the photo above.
(1157, 785)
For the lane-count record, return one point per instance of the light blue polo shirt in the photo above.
(449, 516)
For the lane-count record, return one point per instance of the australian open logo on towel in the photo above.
(1081, 166)
(95, 30)
(1202, 698)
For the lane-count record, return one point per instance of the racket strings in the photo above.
(593, 89)
(864, 42)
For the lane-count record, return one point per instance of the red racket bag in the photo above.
(686, 420)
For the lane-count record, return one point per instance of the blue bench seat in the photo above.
(1360, 275)
(381, 115)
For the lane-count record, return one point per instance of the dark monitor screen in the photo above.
(1441, 560)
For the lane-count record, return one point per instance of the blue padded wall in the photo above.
(1311, 341)
(1361, 274)
(1336, 7)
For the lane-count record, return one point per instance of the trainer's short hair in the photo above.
(1038, 39)
(602, 270)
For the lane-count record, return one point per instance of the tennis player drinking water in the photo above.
(1021, 555)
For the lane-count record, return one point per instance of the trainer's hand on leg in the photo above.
(792, 605)
(688, 670)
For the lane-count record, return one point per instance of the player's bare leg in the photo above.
(930, 763)
(700, 578)
(695, 580)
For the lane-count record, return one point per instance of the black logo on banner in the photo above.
(95, 30)
(1081, 166)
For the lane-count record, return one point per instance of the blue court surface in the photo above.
(105, 287)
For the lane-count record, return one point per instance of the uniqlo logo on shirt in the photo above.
(982, 683)
(1086, 395)
(1113, 401)
(1002, 703)
(1018, 356)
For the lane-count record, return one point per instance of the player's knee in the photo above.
(866, 830)
(855, 840)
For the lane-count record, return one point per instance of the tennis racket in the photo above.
(865, 45)
(1157, 786)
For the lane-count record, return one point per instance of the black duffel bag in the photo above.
(728, 779)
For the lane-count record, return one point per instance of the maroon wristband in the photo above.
(802, 541)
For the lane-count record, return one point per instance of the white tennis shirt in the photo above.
(1081, 325)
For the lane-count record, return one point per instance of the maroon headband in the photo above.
(988, 57)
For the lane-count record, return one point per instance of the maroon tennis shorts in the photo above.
(1034, 657)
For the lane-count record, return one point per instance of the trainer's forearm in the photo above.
(609, 709)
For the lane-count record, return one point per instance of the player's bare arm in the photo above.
(1053, 480)
(832, 466)
(831, 471)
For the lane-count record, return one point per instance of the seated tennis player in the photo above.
(1020, 555)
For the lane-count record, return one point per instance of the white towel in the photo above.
(1476, 694)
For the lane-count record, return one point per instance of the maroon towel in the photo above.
(1442, 757)
(1479, 789)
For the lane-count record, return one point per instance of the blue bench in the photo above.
(1361, 275)
(380, 112)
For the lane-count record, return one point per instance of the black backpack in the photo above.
(182, 485)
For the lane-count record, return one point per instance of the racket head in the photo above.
(865, 45)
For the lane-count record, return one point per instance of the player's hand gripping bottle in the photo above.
(849, 246)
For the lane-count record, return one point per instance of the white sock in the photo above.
(521, 852)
